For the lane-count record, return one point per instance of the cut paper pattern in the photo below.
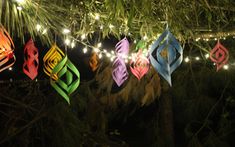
(219, 55)
(166, 55)
(94, 61)
(120, 73)
(7, 57)
(31, 62)
(139, 65)
(68, 78)
(51, 59)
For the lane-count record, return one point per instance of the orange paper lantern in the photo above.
(7, 57)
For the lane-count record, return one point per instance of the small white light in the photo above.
(84, 50)
(99, 45)
(101, 27)
(111, 26)
(97, 16)
(135, 41)
(145, 37)
(197, 39)
(108, 55)
(126, 60)
(215, 38)
(105, 51)
(112, 58)
(10, 68)
(44, 31)
(207, 56)
(96, 50)
(224, 38)
(67, 41)
(197, 58)
(38, 27)
(100, 56)
(66, 31)
(73, 44)
(83, 36)
(226, 67)
(20, 1)
(186, 59)
(19, 8)
(207, 39)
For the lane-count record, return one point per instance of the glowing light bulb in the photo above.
(83, 36)
(44, 31)
(112, 52)
(135, 41)
(10, 68)
(99, 45)
(186, 59)
(66, 31)
(38, 27)
(100, 56)
(20, 1)
(105, 51)
(101, 27)
(19, 8)
(111, 26)
(126, 60)
(67, 41)
(207, 56)
(73, 44)
(96, 50)
(145, 37)
(198, 39)
(108, 55)
(97, 16)
(84, 50)
(226, 67)
(197, 58)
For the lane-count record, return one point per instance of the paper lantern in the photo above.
(166, 55)
(94, 61)
(7, 57)
(139, 65)
(68, 78)
(51, 59)
(219, 55)
(31, 62)
(120, 73)
(140, 45)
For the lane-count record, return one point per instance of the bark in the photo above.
(166, 117)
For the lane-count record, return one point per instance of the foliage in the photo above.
(140, 18)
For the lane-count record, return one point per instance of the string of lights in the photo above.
(71, 41)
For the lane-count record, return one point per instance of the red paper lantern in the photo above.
(31, 62)
(139, 65)
(219, 55)
(7, 58)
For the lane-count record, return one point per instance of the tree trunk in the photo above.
(166, 117)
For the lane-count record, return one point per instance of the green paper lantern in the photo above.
(68, 78)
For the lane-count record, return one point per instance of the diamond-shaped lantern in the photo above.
(7, 57)
(219, 55)
(51, 59)
(139, 65)
(31, 62)
(68, 78)
(166, 55)
(120, 73)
